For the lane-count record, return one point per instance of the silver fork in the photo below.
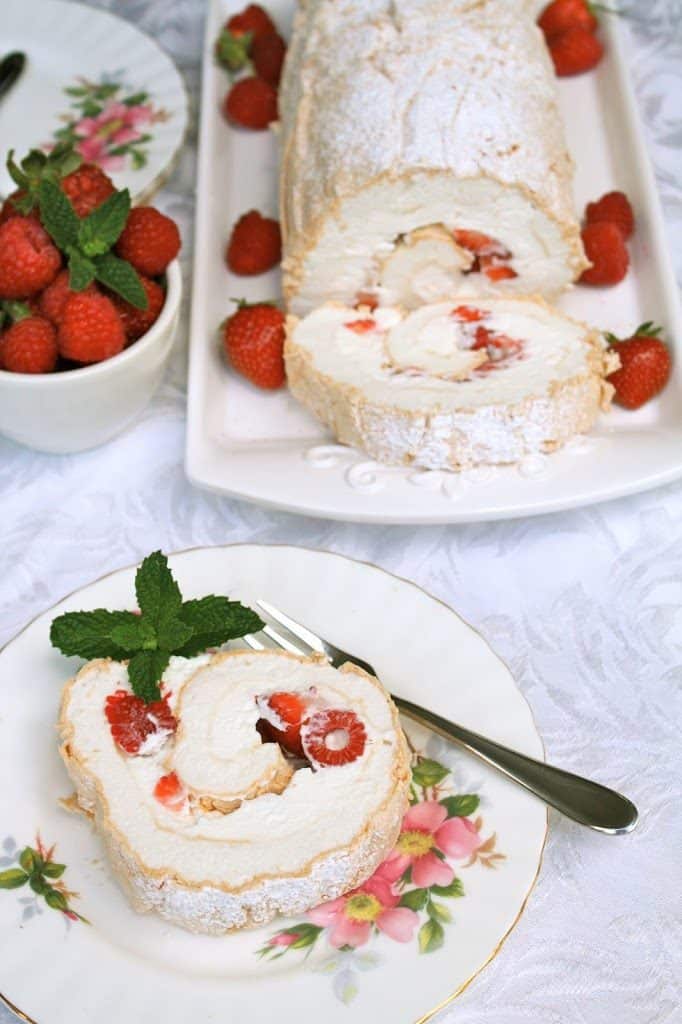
(584, 801)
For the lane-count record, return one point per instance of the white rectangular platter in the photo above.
(263, 447)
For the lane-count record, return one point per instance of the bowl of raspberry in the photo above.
(90, 293)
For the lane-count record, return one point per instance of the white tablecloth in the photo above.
(586, 607)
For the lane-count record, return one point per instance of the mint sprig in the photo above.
(166, 626)
(87, 241)
(37, 167)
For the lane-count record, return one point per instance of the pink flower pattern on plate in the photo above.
(350, 918)
(427, 831)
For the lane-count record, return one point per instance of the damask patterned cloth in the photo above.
(585, 607)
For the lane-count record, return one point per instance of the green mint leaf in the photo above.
(81, 271)
(55, 899)
(58, 215)
(13, 878)
(430, 936)
(52, 870)
(439, 912)
(135, 635)
(460, 806)
(415, 899)
(89, 634)
(451, 891)
(173, 634)
(214, 621)
(16, 310)
(145, 670)
(158, 595)
(122, 278)
(99, 230)
(429, 773)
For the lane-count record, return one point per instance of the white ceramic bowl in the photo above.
(79, 409)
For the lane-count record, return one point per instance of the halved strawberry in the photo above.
(281, 723)
(333, 737)
(495, 269)
(170, 792)
(361, 326)
(132, 721)
(475, 241)
(499, 347)
(468, 314)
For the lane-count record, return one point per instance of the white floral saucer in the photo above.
(96, 81)
(398, 948)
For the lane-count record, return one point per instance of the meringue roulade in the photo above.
(424, 156)
(261, 784)
(452, 384)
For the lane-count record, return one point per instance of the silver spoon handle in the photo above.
(580, 799)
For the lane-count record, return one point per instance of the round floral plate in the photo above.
(96, 81)
(398, 948)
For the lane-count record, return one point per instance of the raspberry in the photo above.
(253, 339)
(333, 737)
(253, 19)
(51, 302)
(251, 103)
(137, 322)
(28, 259)
(29, 346)
(606, 251)
(170, 792)
(615, 208)
(267, 54)
(8, 208)
(87, 188)
(132, 721)
(363, 326)
(255, 244)
(149, 241)
(90, 329)
(575, 50)
(289, 709)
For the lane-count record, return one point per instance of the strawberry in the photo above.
(562, 14)
(333, 737)
(137, 322)
(149, 241)
(132, 721)
(575, 50)
(253, 339)
(606, 251)
(495, 270)
(90, 328)
(170, 792)
(29, 346)
(468, 314)
(255, 244)
(363, 326)
(477, 242)
(645, 366)
(253, 20)
(87, 188)
(499, 347)
(28, 259)
(289, 709)
(615, 208)
(9, 209)
(251, 103)
(267, 54)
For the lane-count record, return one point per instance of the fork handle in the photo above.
(580, 799)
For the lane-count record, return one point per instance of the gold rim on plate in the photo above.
(358, 561)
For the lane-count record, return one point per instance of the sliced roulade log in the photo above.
(450, 385)
(423, 155)
(261, 784)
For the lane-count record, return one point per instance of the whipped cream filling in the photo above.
(410, 359)
(271, 834)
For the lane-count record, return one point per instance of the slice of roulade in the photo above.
(423, 155)
(452, 384)
(261, 784)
